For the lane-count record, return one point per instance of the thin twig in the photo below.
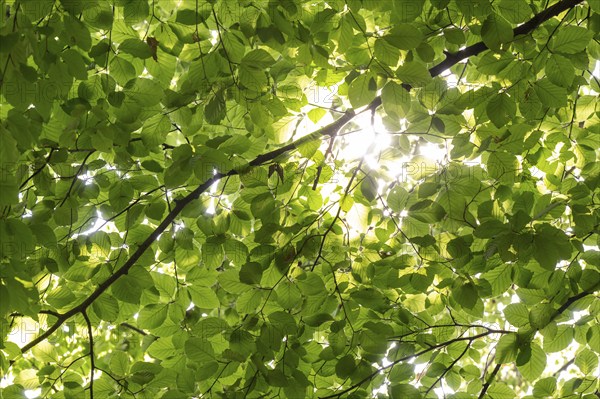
(92, 359)
(75, 178)
(489, 381)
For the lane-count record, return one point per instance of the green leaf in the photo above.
(507, 349)
(501, 109)
(404, 36)
(386, 52)
(199, 350)
(427, 211)
(17, 239)
(368, 188)
(236, 251)
(152, 316)
(214, 111)
(252, 78)
(237, 144)
(560, 71)
(77, 33)
(136, 48)
(515, 11)
(75, 64)
(570, 40)
(466, 295)
(531, 361)
(517, 314)
(362, 90)
(496, 31)
(144, 92)
(259, 59)
(404, 391)
(155, 130)
(559, 340)
(345, 366)
(121, 70)
(540, 315)
(395, 99)
(544, 387)
(119, 363)
(288, 295)
(235, 44)
(397, 199)
(127, 289)
(135, 11)
(454, 36)
(550, 245)
(587, 361)
(491, 228)
(121, 193)
(106, 307)
(414, 74)
(204, 297)
(550, 94)
(251, 273)
(502, 166)
(499, 390)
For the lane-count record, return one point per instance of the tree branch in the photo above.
(451, 59)
(405, 358)
(474, 49)
(569, 302)
(489, 380)
(75, 178)
(563, 368)
(172, 215)
(37, 171)
(134, 328)
(92, 358)
(447, 369)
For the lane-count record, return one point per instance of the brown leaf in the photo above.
(153, 43)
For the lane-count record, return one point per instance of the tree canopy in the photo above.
(299, 199)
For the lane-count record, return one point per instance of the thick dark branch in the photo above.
(526, 28)
(171, 216)
(50, 312)
(130, 262)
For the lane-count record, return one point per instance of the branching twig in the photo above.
(34, 174)
(325, 156)
(447, 369)
(337, 215)
(403, 359)
(75, 178)
(171, 216)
